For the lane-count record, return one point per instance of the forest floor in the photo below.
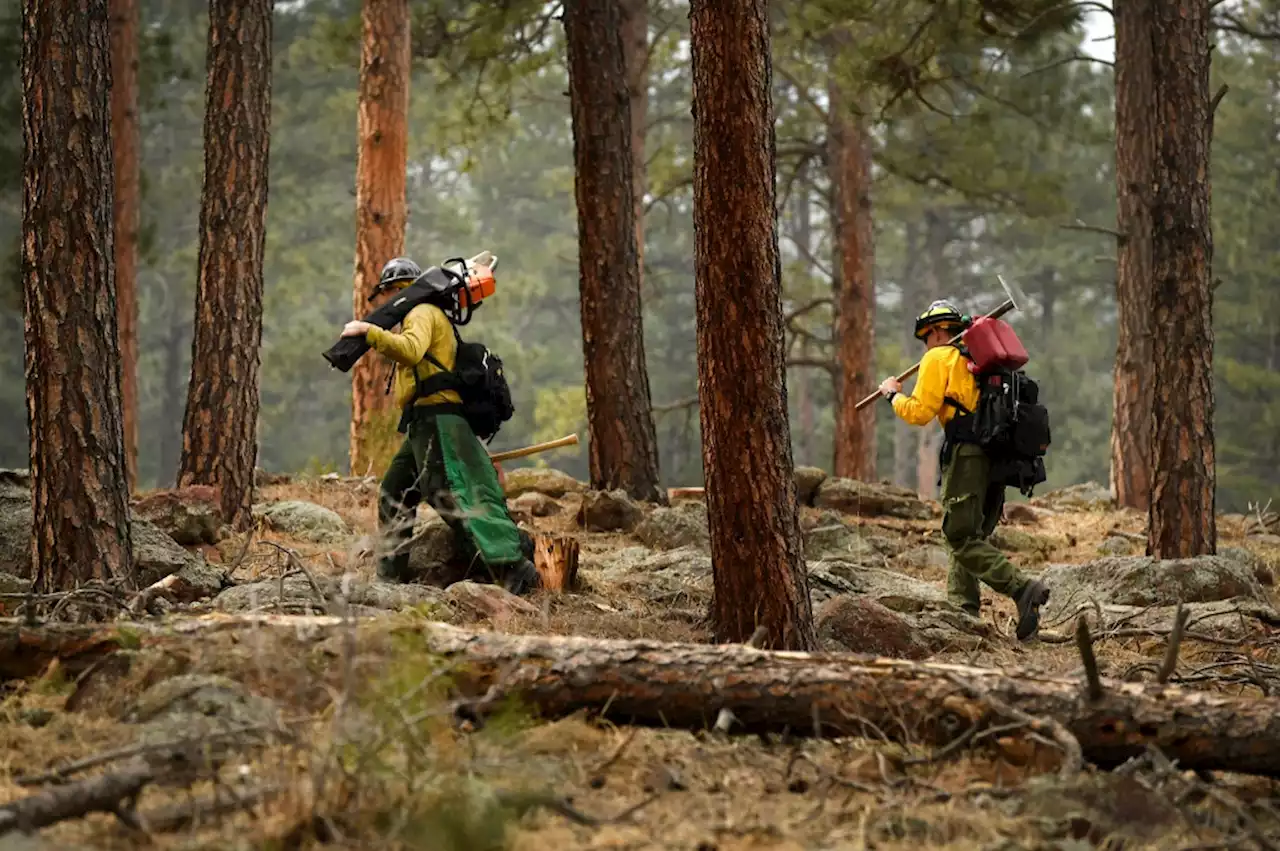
(374, 756)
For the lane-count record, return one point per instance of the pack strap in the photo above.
(947, 400)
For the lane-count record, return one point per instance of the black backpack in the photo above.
(478, 379)
(1010, 424)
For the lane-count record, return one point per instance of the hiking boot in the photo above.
(1033, 595)
(521, 578)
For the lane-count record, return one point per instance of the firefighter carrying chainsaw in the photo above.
(453, 394)
(995, 433)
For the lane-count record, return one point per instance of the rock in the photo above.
(924, 557)
(542, 480)
(305, 521)
(682, 525)
(196, 705)
(15, 522)
(861, 625)
(1021, 512)
(893, 590)
(487, 601)
(1222, 618)
(298, 597)
(1118, 545)
(1143, 581)
(808, 480)
(196, 581)
(190, 515)
(837, 541)
(261, 478)
(1100, 809)
(10, 584)
(871, 499)
(663, 577)
(1089, 496)
(1029, 547)
(433, 558)
(609, 511)
(1253, 561)
(535, 504)
(157, 555)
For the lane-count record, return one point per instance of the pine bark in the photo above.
(381, 208)
(746, 443)
(1135, 150)
(220, 425)
(635, 52)
(80, 509)
(623, 440)
(1181, 518)
(126, 144)
(849, 161)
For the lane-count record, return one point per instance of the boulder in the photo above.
(662, 577)
(831, 578)
(1028, 547)
(433, 556)
(1087, 496)
(930, 557)
(534, 504)
(197, 705)
(682, 525)
(542, 480)
(157, 555)
(837, 540)
(15, 522)
(1021, 512)
(861, 625)
(487, 601)
(1119, 545)
(190, 515)
(1142, 581)
(609, 511)
(871, 499)
(296, 595)
(808, 480)
(305, 521)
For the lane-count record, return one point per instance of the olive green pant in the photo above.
(972, 507)
(417, 471)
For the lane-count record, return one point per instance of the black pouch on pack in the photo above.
(478, 379)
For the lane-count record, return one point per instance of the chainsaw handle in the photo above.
(1004, 308)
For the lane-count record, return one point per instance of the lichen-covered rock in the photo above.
(682, 525)
(195, 705)
(893, 590)
(534, 504)
(808, 480)
(156, 555)
(1118, 545)
(924, 557)
(837, 540)
(609, 511)
(871, 499)
(487, 601)
(1028, 547)
(542, 480)
(861, 625)
(190, 515)
(1088, 496)
(1143, 581)
(296, 595)
(305, 521)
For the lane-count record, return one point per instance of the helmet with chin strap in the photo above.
(395, 271)
(940, 314)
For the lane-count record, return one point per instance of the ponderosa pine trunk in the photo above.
(79, 480)
(623, 440)
(1135, 142)
(849, 163)
(635, 53)
(381, 211)
(220, 425)
(126, 144)
(756, 556)
(1181, 520)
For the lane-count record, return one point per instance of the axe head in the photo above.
(1016, 296)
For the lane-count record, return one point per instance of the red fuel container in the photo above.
(993, 345)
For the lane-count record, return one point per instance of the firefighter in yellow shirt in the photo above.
(972, 504)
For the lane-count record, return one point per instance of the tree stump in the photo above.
(556, 559)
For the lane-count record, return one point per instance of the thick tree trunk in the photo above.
(635, 52)
(1135, 143)
(849, 159)
(1181, 520)
(220, 426)
(623, 440)
(758, 568)
(381, 210)
(126, 146)
(80, 483)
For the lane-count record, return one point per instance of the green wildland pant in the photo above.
(466, 497)
(972, 508)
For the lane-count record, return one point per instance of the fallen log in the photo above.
(105, 793)
(27, 650)
(845, 694)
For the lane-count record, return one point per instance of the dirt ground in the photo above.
(375, 759)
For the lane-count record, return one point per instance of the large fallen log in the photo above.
(687, 685)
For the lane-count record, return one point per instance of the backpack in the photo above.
(1010, 423)
(478, 379)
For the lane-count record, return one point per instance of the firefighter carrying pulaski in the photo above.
(973, 503)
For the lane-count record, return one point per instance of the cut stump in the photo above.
(556, 558)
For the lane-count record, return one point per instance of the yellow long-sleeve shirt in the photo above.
(944, 372)
(424, 329)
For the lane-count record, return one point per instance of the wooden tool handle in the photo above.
(1004, 308)
(570, 440)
